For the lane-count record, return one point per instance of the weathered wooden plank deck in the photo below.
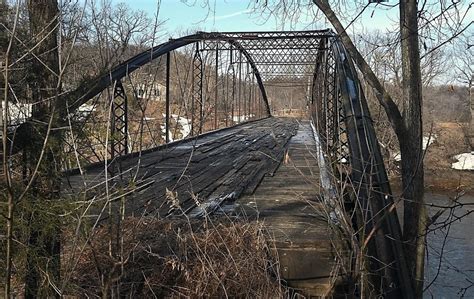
(291, 205)
(266, 169)
(217, 166)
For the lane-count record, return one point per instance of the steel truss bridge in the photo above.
(203, 85)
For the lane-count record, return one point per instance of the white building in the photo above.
(151, 91)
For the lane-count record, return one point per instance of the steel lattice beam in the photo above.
(119, 122)
(197, 98)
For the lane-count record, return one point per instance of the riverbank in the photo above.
(444, 182)
(448, 140)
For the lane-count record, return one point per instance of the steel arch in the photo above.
(148, 56)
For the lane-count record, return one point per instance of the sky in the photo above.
(236, 15)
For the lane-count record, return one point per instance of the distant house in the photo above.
(147, 87)
(151, 91)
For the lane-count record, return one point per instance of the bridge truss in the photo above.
(212, 80)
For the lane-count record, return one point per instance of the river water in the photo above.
(450, 260)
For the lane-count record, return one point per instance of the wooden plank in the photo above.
(291, 206)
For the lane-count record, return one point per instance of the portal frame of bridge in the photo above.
(338, 106)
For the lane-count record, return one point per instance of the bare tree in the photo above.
(43, 44)
(448, 20)
(45, 144)
(463, 55)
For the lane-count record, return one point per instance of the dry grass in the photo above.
(163, 258)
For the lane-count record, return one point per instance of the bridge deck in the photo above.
(257, 168)
(290, 204)
(222, 164)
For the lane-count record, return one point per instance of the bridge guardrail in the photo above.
(343, 120)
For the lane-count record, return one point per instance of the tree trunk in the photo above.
(43, 148)
(408, 128)
(414, 224)
(471, 122)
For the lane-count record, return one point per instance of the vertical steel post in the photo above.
(167, 122)
(217, 87)
(252, 91)
(258, 106)
(249, 86)
(192, 98)
(201, 97)
(245, 96)
(240, 85)
(229, 99)
(233, 85)
(327, 99)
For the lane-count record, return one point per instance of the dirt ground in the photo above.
(439, 176)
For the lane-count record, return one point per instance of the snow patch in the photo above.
(17, 113)
(83, 111)
(86, 108)
(184, 124)
(465, 161)
(427, 141)
(241, 118)
(397, 157)
(163, 130)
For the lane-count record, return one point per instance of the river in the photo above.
(450, 256)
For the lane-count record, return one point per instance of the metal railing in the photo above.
(343, 121)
